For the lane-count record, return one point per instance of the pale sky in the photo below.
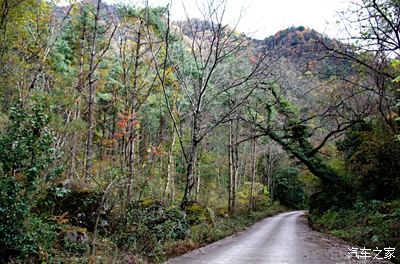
(262, 18)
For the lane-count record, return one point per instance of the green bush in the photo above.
(14, 210)
(175, 227)
(333, 220)
(21, 232)
(26, 159)
(74, 239)
(150, 224)
(205, 232)
(363, 223)
(42, 233)
(372, 155)
(288, 189)
(260, 195)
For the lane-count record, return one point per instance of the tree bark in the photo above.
(233, 165)
(314, 164)
(253, 173)
(197, 197)
(72, 168)
(170, 185)
(230, 164)
(192, 158)
(269, 165)
(235, 157)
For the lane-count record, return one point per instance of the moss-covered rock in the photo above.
(75, 239)
(78, 204)
(386, 208)
(150, 223)
(149, 202)
(198, 213)
(222, 212)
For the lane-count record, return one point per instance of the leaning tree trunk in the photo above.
(314, 163)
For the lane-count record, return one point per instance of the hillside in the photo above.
(302, 46)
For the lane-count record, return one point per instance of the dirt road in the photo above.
(284, 238)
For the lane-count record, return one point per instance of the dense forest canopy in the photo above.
(120, 128)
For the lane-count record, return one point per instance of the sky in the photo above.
(262, 18)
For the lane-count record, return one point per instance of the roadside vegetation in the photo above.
(369, 214)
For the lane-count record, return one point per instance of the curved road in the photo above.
(284, 238)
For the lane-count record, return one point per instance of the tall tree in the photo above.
(92, 93)
(213, 47)
(96, 56)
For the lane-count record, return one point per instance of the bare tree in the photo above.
(201, 73)
(373, 36)
(96, 56)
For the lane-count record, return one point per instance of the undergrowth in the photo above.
(164, 236)
(370, 224)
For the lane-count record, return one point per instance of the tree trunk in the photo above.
(72, 168)
(170, 185)
(190, 173)
(235, 158)
(231, 184)
(79, 88)
(92, 93)
(192, 159)
(269, 169)
(131, 151)
(314, 164)
(98, 213)
(253, 174)
(197, 197)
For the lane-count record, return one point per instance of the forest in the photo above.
(127, 137)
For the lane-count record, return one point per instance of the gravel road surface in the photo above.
(284, 238)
